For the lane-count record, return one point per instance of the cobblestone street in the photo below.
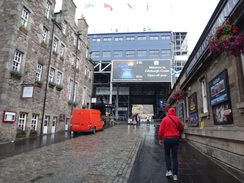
(107, 156)
(119, 154)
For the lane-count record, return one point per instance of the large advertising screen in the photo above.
(141, 71)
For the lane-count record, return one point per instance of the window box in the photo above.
(51, 84)
(33, 133)
(44, 44)
(70, 102)
(20, 133)
(16, 74)
(23, 29)
(59, 87)
(61, 58)
(55, 53)
(73, 67)
(38, 84)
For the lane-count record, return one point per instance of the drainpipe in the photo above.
(76, 51)
(47, 76)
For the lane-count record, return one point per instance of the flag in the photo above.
(107, 6)
(88, 6)
(130, 6)
(173, 71)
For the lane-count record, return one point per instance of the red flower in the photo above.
(234, 29)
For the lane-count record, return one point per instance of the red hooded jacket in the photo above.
(167, 126)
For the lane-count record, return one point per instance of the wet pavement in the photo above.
(119, 154)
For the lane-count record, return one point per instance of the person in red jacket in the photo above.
(170, 129)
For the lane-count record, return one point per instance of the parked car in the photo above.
(86, 120)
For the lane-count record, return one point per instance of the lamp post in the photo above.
(76, 51)
(48, 70)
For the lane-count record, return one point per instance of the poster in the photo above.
(193, 110)
(181, 112)
(220, 99)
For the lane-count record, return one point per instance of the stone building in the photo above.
(45, 69)
(213, 108)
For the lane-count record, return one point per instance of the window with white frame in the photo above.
(142, 53)
(51, 75)
(85, 71)
(47, 10)
(72, 59)
(24, 17)
(74, 37)
(62, 48)
(59, 78)
(22, 121)
(79, 44)
(75, 92)
(204, 96)
(46, 121)
(78, 64)
(118, 53)
(83, 95)
(38, 72)
(89, 73)
(17, 60)
(44, 34)
(64, 27)
(34, 121)
(54, 121)
(87, 53)
(55, 44)
(70, 90)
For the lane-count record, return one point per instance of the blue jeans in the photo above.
(171, 144)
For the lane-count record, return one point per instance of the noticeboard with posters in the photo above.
(194, 121)
(220, 99)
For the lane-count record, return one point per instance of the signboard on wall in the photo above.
(141, 71)
(194, 121)
(220, 99)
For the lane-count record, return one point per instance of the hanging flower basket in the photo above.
(179, 95)
(226, 40)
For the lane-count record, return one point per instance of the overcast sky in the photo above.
(158, 15)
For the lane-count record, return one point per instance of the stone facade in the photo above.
(21, 100)
(222, 140)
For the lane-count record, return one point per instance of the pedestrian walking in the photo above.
(170, 129)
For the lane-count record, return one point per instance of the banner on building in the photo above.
(141, 71)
